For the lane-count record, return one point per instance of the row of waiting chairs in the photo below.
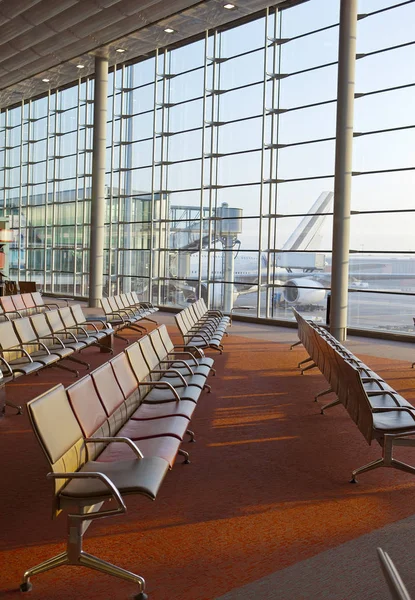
(380, 413)
(127, 311)
(201, 327)
(21, 305)
(28, 344)
(117, 431)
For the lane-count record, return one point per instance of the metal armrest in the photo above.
(39, 344)
(183, 353)
(124, 440)
(4, 361)
(54, 338)
(106, 481)
(161, 384)
(20, 349)
(164, 371)
(182, 362)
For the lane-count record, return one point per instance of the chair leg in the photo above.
(65, 368)
(329, 405)
(16, 406)
(74, 555)
(323, 393)
(78, 360)
(308, 368)
(124, 339)
(302, 362)
(191, 434)
(151, 320)
(186, 456)
(379, 462)
(88, 560)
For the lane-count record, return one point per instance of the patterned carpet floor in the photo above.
(267, 487)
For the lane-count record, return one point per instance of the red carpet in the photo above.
(268, 485)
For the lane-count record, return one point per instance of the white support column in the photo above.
(96, 256)
(343, 168)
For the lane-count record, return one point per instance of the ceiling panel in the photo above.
(47, 39)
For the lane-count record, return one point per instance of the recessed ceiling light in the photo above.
(120, 50)
(169, 30)
(229, 6)
(46, 80)
(80, 66)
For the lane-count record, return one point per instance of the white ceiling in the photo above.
(47, 39)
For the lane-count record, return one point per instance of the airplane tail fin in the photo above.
(307, 233)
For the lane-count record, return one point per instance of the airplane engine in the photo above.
(295, 292)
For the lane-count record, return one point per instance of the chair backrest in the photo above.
(41, 325)
(67, 317)
(7, 304)
(106, 306)
(113, 304)
(37, 299)
(190, 316)
(148, 352)
(180, 323)
(58, 433)
(126, 301)
(165, 338)
(18, 302)
(78, 314)
(135, 298)
(55, 322)
(130, 299)
(157, 344)
(89, 412)
(124, 374)
(8, 337)
(107, 387)
(111, 397)
(119, 303)
(393, 579)
(24, 330)
(28, 300)
(357, 402)
(138, 364)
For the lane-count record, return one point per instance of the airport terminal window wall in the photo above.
(383, 219)
(219, 153)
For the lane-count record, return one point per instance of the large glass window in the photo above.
(220, 170)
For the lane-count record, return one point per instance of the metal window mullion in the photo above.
(202, 174)
(163, 236)
(111, 199)
(53, 236)
(78, 118)
(272, 198)
(163, 187)
(211, 223)
(277, 154)
(129, 75)
(123, 174)
(214, 169)
(46, 191)
(153, 177)
(261, 188)
(20, 193)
